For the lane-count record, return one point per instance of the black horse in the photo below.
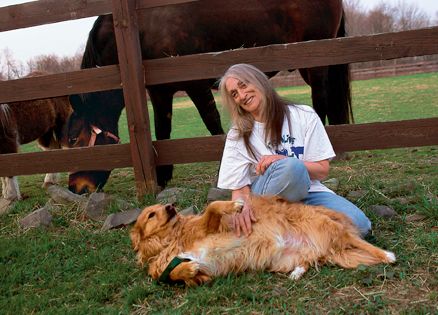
(205, 26)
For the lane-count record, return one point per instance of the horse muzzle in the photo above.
(87, 181)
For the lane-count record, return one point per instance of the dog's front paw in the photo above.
(185, 271)
(238, 205)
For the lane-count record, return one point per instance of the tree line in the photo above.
(381, 18)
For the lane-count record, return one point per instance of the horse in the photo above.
(207, 26)
(25, 121)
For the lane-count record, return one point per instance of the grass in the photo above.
(74, 268)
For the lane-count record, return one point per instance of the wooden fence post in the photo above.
(132, 76)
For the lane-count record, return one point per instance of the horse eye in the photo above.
(151, 215)
(72, 140)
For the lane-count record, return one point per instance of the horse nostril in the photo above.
(84, 190)
(72, 188)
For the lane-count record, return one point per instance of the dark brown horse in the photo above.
(215, 25)
(26, 121)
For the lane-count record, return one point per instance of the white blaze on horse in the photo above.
(26, 121)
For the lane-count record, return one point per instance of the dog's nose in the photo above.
(170, 207)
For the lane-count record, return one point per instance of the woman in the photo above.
(275, 148)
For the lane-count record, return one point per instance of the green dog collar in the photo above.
(172, 265)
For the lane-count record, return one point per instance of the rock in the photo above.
(218, 194)
(120, 219)
(40, 217)
(62, 195)
(5, 205)
(97, 205)
(415, 217)
(383, 211)
(188, 211)
(170, 195)
(356, 195)
(401, 200)
(342, 156)
(332, 183)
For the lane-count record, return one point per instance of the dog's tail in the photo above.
(359, 252)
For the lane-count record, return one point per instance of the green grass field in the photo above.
(74, 268)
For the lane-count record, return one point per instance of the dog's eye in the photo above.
(151, 215)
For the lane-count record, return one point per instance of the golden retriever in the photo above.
(287, 237)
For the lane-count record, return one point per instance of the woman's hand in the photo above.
(266, 161)
(242, 222)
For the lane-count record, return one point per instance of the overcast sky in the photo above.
(67, 38)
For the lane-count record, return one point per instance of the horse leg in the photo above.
(48, 142)
(10, 189)
(204, 101)
(317, 79)
(161, 98)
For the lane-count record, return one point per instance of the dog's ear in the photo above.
(136, 237)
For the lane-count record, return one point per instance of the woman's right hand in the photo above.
(242, 222)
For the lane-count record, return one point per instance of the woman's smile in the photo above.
(245, 95)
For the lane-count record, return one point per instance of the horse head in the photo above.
(94, 121)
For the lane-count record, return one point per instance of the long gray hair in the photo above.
(273, 107)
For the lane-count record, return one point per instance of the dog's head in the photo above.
(150, 232)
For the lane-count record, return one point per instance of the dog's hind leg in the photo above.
(298, 272)
(361, 252)
(189, 273)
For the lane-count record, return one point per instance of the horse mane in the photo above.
(5, 116)
(91, 57)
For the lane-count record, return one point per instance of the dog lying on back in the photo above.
(287, 237)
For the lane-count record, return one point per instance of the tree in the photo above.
(409, 16)
(10, 68)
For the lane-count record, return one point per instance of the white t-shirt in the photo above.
(308, 142)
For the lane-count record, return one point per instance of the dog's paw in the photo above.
(297, 273)
(191, 269)
(238, 205)
(390, 256)
(185, 271)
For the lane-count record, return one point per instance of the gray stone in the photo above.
(170, 195)
(356, 195)
(40, 217)
(383, 211)
(97, 206)
(401, 200)
(332, 183)
(64, 196)
(218, 194)
(120, 219)
(415, 217)
(188, 211)
(5, 205)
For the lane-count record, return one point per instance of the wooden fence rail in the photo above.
(141, 152)
(212, 65)
(345, 138)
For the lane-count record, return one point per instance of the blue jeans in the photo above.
(289, 179)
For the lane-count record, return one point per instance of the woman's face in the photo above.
(246, 96)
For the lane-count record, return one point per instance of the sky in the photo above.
(68, 38)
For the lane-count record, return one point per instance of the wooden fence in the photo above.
(294, 78)
(144, 154)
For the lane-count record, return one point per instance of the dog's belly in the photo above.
(221, 254)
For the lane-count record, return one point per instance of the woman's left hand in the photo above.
(266, 161)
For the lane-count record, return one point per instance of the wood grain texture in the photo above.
(132, 76)
(213, 65)
(382, 135)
